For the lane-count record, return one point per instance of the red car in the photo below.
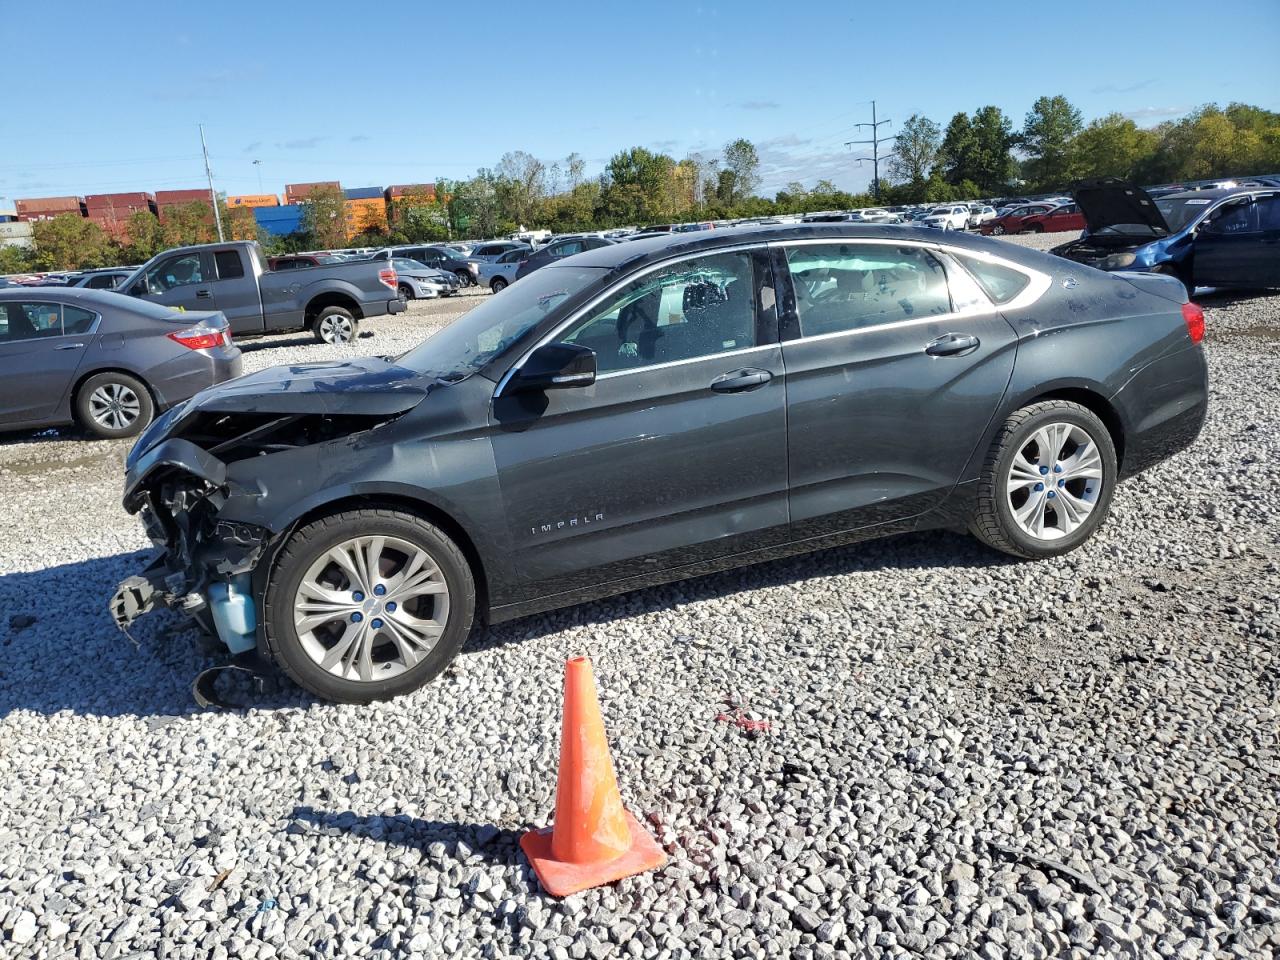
(1065, 217)
(1012, 221)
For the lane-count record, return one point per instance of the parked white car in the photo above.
(874, 215)
(981, 214)
(948, 217)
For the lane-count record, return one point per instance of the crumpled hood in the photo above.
(1111, 202)
(367, 386)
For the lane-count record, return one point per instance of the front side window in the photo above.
(106, 281)
(850, 286)
(567, 249)
(175, 272)
(694, 308)
(229, 264)
(29, 321)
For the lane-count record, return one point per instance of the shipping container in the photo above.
(363, 193)
(37, 215)
(13, 230)
(116, 227)
(180, 196)
(362, 215)
(51, 204)
(424, 190)
(7, 209)
(105, 200)
(254, 200)
(293, 192)
(279, 220)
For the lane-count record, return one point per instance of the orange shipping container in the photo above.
(254, 200)
(364, 215)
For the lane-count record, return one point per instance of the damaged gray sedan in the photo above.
(651, 411)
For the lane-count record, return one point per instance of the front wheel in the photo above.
(368, 604)
(998, 230)
(464, 278)
(1047, 482)
(1035, 228)
(497, 285)
(336, 325)
(405, 292)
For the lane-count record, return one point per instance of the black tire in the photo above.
(497, 285)
(993, 522)
(998, 230)
(335, 319)
(405, 292)
(128, 392)
(1035, 228)
(464, 278)
(312, 541)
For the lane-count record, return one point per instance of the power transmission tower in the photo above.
(213, 197)
(875, 142)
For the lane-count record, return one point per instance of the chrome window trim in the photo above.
(591, 304)
(62, 322)
(1035, 289)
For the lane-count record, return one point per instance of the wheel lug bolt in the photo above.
(1044, 470)
(1052, 494)
(1062, 483)
(357, 617)
(357, 596)
(1039, 487)
(379, 589)
(391, 606)
(376, 624)
(1057, 468)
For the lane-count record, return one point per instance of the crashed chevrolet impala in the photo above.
(651, 411)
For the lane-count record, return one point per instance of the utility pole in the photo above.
(875, 142)
(258, 165)
(213, 197)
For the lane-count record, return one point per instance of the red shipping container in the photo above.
(138, 198)
(48, 204)
(164, 197)
(411, 190)
(37, 215)
(293, 192)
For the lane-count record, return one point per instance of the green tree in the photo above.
(324, 218)
(187, 224)
(1047, 133)
(521, 183)
(990, 162)
(636, 190)
(955, 156)
(1111, 146)
(915, 152)
(144, 237)
(16, 259)
(741, 173)
(71, 242)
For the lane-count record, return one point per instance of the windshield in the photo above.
(1178, 212)
(477, 337)
(408, 266)
(939, 212)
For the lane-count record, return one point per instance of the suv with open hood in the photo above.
(1226, 237)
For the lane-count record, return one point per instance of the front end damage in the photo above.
(203, 473)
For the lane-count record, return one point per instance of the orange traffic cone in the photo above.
(593, 840)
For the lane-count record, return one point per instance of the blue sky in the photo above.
(106, 96)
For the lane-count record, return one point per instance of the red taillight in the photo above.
(1193, 314)
(202, 336)
(388, 276)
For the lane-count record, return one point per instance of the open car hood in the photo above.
(1112, 202)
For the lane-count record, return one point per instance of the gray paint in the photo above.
(650, 474)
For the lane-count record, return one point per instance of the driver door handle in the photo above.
(748, 378)
(69, 346)
(203, 294)
(952, 345)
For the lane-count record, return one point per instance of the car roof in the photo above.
(91, 298)
(1217, 193)
(662, 246)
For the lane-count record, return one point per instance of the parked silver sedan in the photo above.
(500, 274)
(417, 281)
(107, 362)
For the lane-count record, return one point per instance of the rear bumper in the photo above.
(186, 375)
(1171, 399)
(396, 306)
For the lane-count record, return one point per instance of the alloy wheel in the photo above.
(1054, 481)
(336, 328)
(371, 608)
(114, 406)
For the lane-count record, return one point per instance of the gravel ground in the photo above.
(965, 755)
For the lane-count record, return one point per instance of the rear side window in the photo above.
(851, 286)
(1000, 283)
(75, 320)
(102, 282)
(229, 264)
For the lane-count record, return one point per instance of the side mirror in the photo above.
(555, 366)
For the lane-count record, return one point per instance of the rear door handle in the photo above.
(952, 345)
(203, 294)
(739, 380)
(69, 346)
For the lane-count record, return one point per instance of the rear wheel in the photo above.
(1035, 228)
(1047, 483)
(368, 604)
(335, 325)
(113, 405)
(405, 292)
(497, 285)
(998, 230)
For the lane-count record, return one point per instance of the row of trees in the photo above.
(983, 155)
(975, 155)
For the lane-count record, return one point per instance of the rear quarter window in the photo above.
(999, 282)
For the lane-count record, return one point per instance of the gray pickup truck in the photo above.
(233, 277)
